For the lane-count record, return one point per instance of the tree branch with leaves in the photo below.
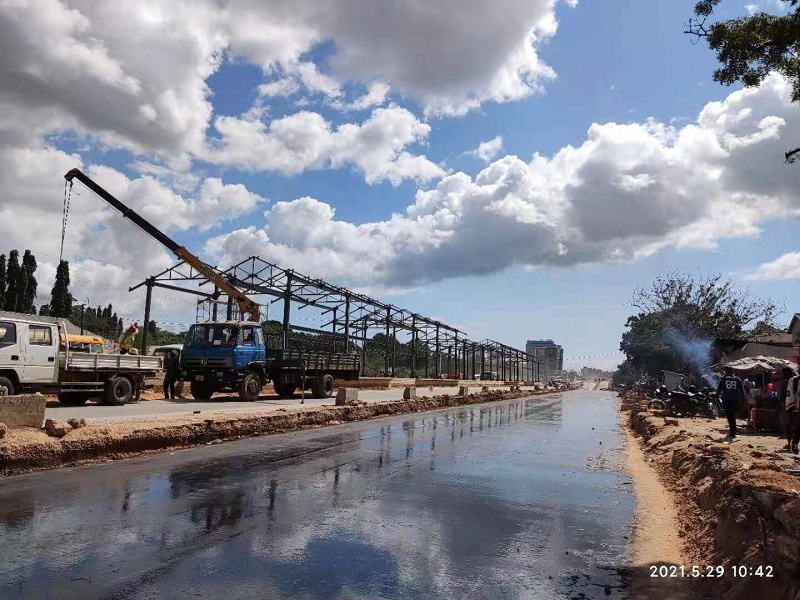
(751, 47)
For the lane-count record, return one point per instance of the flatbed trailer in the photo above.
(293, 369)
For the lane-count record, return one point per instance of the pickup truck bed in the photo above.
(78, 361)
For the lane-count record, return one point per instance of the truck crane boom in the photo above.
(246, 305)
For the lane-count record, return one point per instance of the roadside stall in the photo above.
(763, 370)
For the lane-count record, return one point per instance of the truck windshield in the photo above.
(212, 335)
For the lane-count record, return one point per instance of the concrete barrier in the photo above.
(402, 381)
(409, 393)
(23, 411)
(346, 396)
(463, 390)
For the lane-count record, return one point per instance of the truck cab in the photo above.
(28, 354)
(218, 356)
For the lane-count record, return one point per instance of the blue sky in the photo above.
(618, 61)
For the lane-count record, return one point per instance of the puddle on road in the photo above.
(523, 499)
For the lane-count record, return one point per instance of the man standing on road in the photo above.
(731, 390)
(792, 404)
(172, 370)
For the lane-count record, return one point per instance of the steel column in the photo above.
(386, 357)
(394, 350)
(148, 301)
(347, 324)
(287, 307)
(438, 355)
(413, 346)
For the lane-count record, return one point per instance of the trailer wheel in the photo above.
(119, 391)
(284, 390)
(201, 390)
(8, 384)
(322, 387)
(250, 387)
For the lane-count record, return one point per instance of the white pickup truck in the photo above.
(31, 360)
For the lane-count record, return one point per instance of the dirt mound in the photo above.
(25, 450)
(739, 503)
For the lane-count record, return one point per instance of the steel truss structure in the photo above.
(352, 316)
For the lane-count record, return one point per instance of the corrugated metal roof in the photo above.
(69, 325)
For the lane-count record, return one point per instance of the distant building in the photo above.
(551, 356)
(594, 373)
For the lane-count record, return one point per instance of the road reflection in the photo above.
(488, 501)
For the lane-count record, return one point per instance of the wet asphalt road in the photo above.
(520, 499)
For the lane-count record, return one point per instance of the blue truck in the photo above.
(233, 356)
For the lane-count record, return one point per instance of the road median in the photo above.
(29, 449)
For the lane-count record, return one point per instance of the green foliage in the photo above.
(161, 337)
(2, 280)
(60, 297)
(681, 315)
(13, 282)
(103, 322)
(624, 375)
(751, 47)
(28, 284)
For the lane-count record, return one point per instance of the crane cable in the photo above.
(67, 198)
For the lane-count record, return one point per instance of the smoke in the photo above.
(695, 350)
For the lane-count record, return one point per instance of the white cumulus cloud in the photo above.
(626, 192)
(305, 140)
(487, 151)
(783, 267)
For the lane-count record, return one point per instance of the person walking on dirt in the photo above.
(785, 416)
(172, 369)
(792, 404)
(731, 390)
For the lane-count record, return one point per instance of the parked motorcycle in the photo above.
(660, 397)
(692, 403)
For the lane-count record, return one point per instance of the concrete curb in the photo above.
(98, 442)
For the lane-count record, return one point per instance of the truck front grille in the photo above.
(202, 362)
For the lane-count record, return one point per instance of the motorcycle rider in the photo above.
(731, 390)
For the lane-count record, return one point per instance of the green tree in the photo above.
(2, 280)
(13, 282)
(681, 315)
(751, 47)
(29, 284)
(60, 297)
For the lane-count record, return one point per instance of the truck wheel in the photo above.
(119, 391)
(201, 390)
(73, 398)
(322, 387)
(250, 387)
(6, 383)
(284, 390)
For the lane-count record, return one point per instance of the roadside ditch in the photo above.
(738, 507)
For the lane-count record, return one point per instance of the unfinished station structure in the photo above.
(420, 346)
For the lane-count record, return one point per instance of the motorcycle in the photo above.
(692, 403)
(660, 397)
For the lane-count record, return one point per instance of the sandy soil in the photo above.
(730, 503)
(657, 538)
